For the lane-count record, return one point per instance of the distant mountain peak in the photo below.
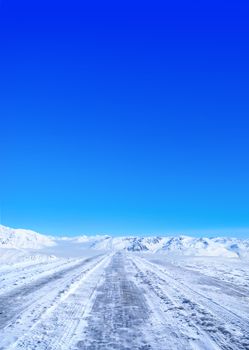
(183, 245)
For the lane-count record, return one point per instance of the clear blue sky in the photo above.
(124, 117)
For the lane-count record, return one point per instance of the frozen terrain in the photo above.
(122, 293)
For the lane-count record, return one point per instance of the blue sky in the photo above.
(124, 117)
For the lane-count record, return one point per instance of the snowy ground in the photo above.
(122, 300)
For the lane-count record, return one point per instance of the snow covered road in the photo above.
(121, 301)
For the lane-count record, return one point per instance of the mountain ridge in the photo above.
(182, 244)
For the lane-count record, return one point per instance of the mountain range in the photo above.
(184, 245)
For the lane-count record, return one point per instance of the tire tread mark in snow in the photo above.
(13, 303)
(22, 275)
(56, 329)
(118, 314)
(207, 314)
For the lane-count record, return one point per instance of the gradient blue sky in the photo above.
(124, 117)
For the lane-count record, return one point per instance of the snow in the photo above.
(183, 245)
(103, 292)
(19, 238)
(22, 257)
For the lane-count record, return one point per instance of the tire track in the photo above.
(120, 317)
(23, 276)
(56, 328)
(227, 329)
(28, 305)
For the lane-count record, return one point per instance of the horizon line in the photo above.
(209, 232)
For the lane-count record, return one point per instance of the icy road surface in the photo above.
(124, 301)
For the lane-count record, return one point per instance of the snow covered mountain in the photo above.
(198, 247)
(19, 238)
(135, 244)
(183, 245)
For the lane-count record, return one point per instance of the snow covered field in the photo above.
(122, 293)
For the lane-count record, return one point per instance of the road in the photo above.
(120, 301)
